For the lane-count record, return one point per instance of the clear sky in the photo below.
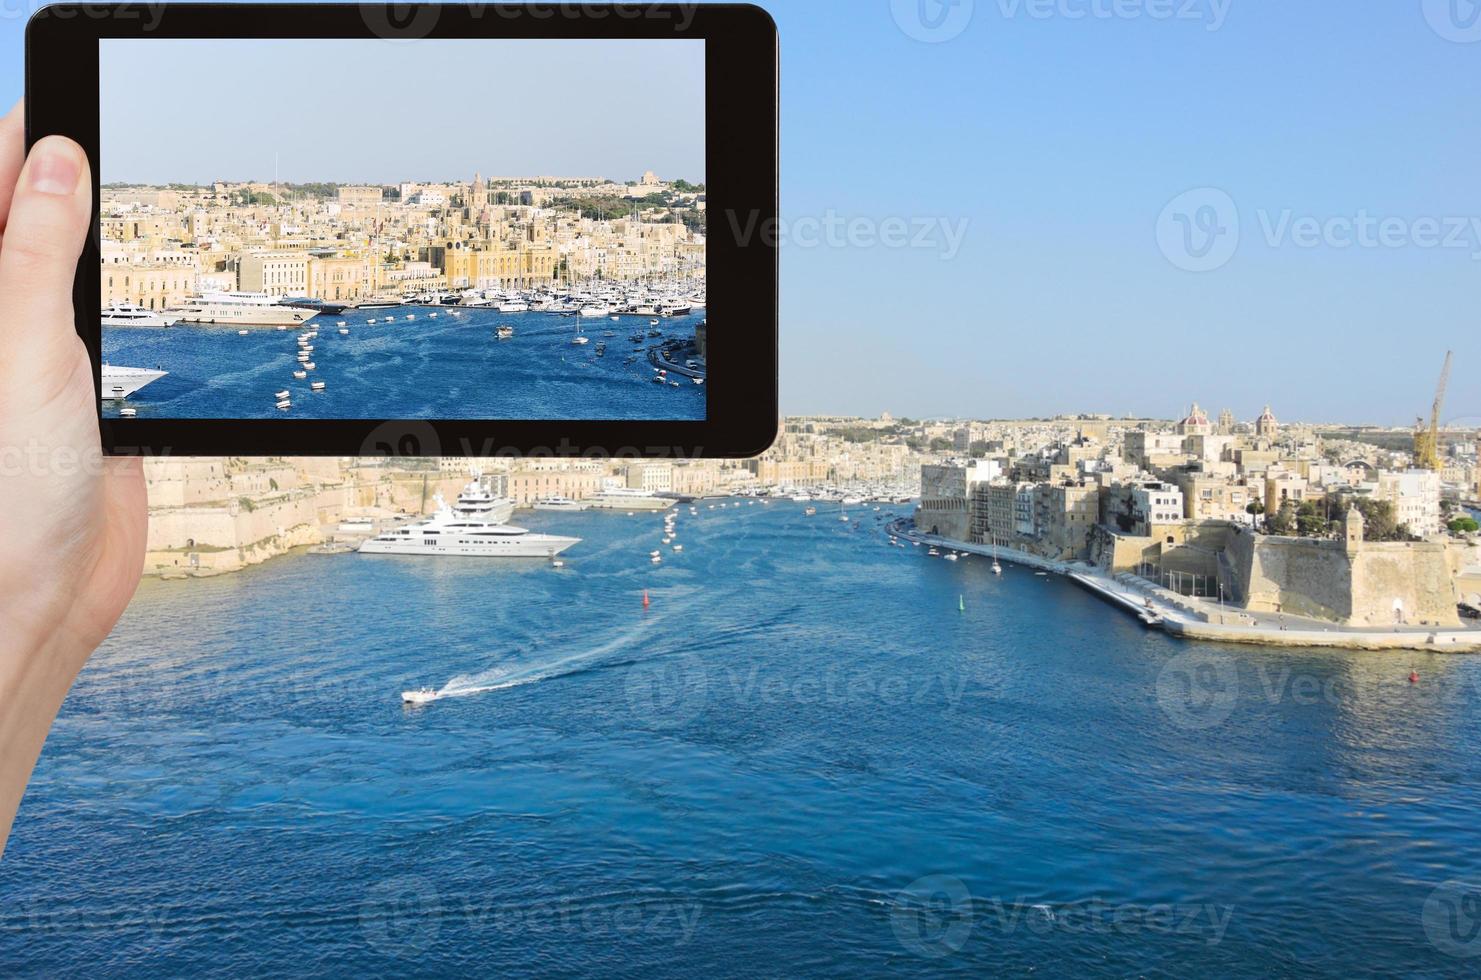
(1047, 139)
(373, 111)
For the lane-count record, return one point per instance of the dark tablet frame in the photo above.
(741, 144)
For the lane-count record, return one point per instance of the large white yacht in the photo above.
(121, 382)
(453, 532)
(559, 504)
(477, 502)
(129, 315)
(241, 309)
(624, 498)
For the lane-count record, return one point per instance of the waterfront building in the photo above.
(274, 273)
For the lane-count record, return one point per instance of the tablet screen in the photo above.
(444, 229)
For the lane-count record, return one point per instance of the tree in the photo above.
(1283, 521)
(1310, 521)
(1464, 525)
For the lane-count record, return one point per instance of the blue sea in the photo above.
(442, 367)
(811, 754)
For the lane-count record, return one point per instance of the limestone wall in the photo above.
(1381, 585)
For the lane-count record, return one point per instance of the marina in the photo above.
(598, 729)
(449, 367)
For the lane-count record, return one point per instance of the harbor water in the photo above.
(434, 366)
(813, 752)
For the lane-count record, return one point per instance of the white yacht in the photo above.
(514, 306)
(448, 533)
(121, 382)
(559, 504)
(629, 499)
(425, 696)
(240, 309)
(478, 503)
(129, 315)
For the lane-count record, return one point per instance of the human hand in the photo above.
(72, 522)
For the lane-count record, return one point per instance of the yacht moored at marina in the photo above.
(240, 309)
(559, 504)
(447, 533)
(129, 315)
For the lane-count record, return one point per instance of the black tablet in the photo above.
(426, 229)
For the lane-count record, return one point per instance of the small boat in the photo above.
(344, 331)
(371, 320)
(308, 365)
(810, 512)
(678, 547)
(299, 375)
(127, 413)
(243, 333)
(953, 557)
(340, 323)
(657, 559)
(285, 404)
(996, 568)
(281, 395)
(431, 316)
(934, 553)
(504, 332)
(317, 386)
(425, 696)
(282, 326)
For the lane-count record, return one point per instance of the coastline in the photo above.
(1192, 619)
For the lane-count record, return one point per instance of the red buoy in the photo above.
(646, 601)
(1414, 677)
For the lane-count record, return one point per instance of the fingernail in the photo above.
(54, 168)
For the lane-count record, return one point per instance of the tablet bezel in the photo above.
(741, 144)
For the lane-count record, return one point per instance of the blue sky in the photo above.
(1039, 153)
(373, 111)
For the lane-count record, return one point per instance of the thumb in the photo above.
(47, 225)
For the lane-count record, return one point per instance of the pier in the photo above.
(1197, 619)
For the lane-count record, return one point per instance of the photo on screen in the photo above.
(445, 229)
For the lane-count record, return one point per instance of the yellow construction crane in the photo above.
(1427, 437)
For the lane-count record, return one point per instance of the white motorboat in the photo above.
(424, 696)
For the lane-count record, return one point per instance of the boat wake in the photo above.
(506, 676)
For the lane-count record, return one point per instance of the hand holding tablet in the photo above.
(485, 231)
